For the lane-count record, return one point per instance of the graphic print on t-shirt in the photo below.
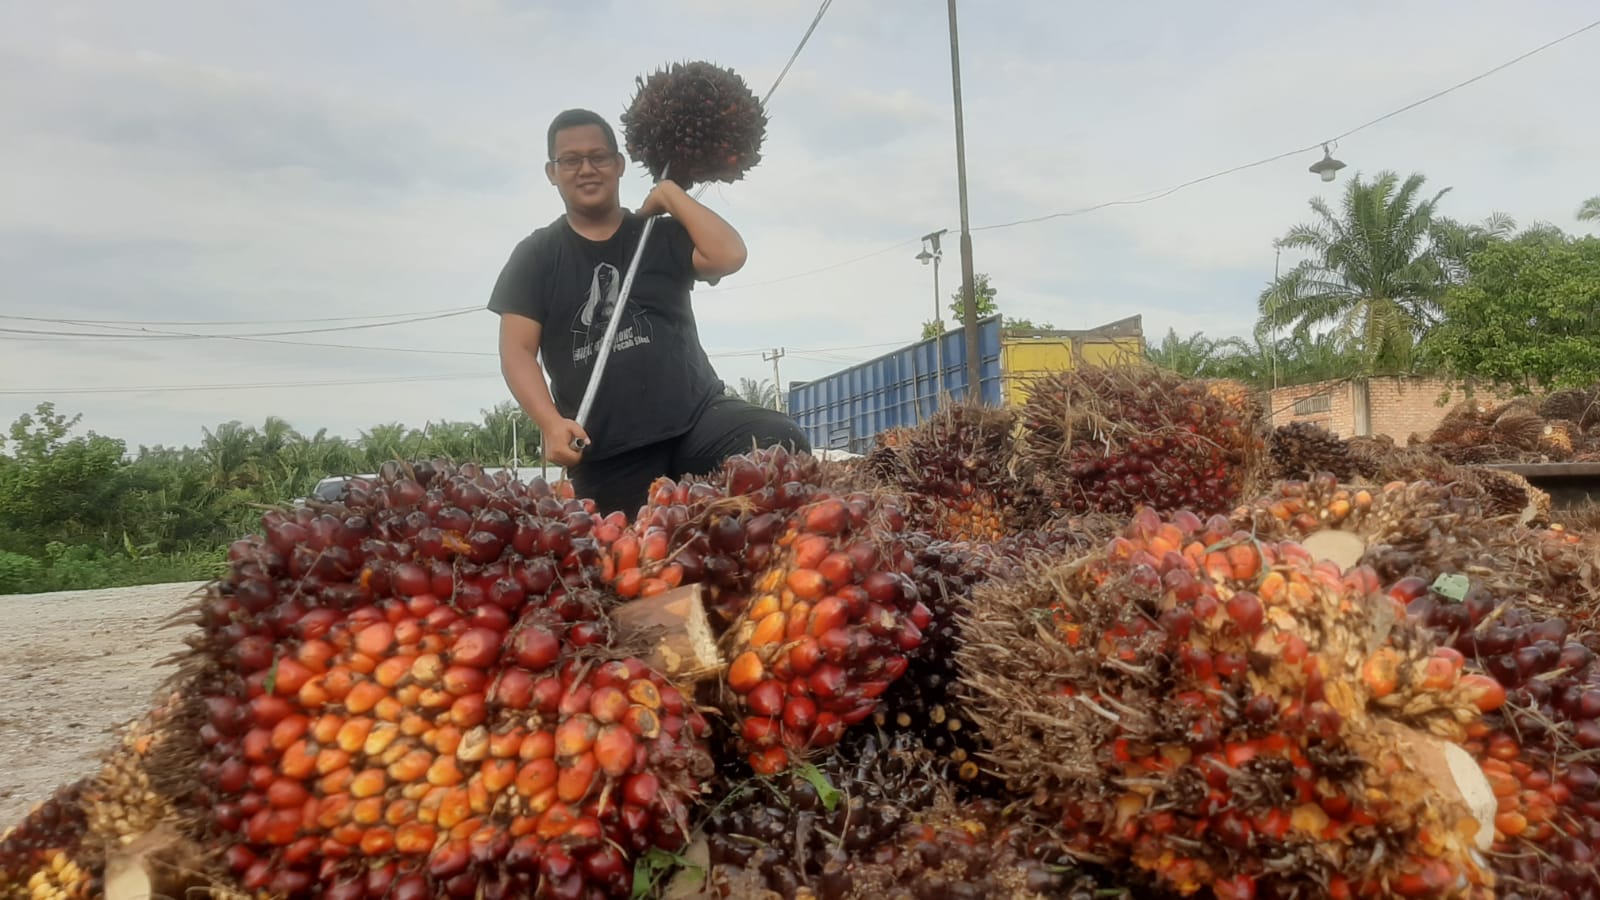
(589, 325)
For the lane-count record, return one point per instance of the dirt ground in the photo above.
(74, 666)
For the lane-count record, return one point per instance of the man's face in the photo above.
(586, 171)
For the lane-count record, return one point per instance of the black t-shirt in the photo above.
(658, 379)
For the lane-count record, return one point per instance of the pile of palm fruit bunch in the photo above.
(794, 679)
(1110, 440)
(1301, 450)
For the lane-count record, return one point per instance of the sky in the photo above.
(262, 165)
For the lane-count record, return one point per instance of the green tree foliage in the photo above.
(1375, 272)
(983, 300)
(1528, 315)
(1590, 210)
(759, 393)
(81, 511)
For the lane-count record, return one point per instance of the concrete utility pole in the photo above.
(969, 304)
(777, 380)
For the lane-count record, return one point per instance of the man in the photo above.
(661, 409)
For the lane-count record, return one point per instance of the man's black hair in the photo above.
(575, 118)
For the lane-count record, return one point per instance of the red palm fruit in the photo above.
(576, 779)
(767, 699)
(745, 673)
(614, 750)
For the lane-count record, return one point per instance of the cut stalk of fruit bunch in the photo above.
(820, 611)
(1218, 703)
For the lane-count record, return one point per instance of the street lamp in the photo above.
(932, 253)
(1327, 166)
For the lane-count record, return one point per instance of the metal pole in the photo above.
(777, 380)
(969, 305)
(938, 339)
(1277, 254)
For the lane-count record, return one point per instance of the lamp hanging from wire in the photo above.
(1327, 167)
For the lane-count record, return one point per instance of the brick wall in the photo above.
(1325, 403)
(1397, 406)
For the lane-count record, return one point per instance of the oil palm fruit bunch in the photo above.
(44, 857)
(822, 609)
(697, 118)
(923, 702)
(1111, 440)
(1577, 406)
(874, 818)
(1537, 749)
(1559, 439)
(411, 694)
(1224, 713)
(953, 468)
(1304, 449)
(1428, 529)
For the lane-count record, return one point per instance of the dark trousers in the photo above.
(729, 426)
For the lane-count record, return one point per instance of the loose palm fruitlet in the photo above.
(824, 620)
(1226, 714)
(874, 819)
(1111, 440)
(40, 857)
(411, 694)
(1538, 748)
(697, 118)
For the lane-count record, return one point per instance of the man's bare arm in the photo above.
(519, 365)
(718, 249)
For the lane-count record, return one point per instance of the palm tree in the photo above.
(1190, 357)
(1375, 273)
(1590, 210)
(757, 393)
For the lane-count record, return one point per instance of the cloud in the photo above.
(174, 160)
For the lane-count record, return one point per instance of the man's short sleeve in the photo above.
(519, 290)
(680, 248)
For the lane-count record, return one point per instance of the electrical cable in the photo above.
(142, 389)
(226, 323)
(159, 334)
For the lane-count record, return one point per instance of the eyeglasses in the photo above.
(574, 162)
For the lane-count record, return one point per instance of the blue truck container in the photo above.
(845, 410)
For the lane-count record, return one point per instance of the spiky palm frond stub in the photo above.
(700, 119)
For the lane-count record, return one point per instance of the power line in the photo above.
(142, 389)
(1146, 198)
(1150, 196)
(161, 334)
(230, 322)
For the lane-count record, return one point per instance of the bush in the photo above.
(19, 574)
(80, 567)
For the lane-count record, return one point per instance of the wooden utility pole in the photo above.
(969, 303)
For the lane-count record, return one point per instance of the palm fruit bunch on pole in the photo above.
(814, 586)
(695, 122)
(1113, 439)
(413, 694)
(1538, 748)
(874, 818)
(1225, 713)
(953, 470)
